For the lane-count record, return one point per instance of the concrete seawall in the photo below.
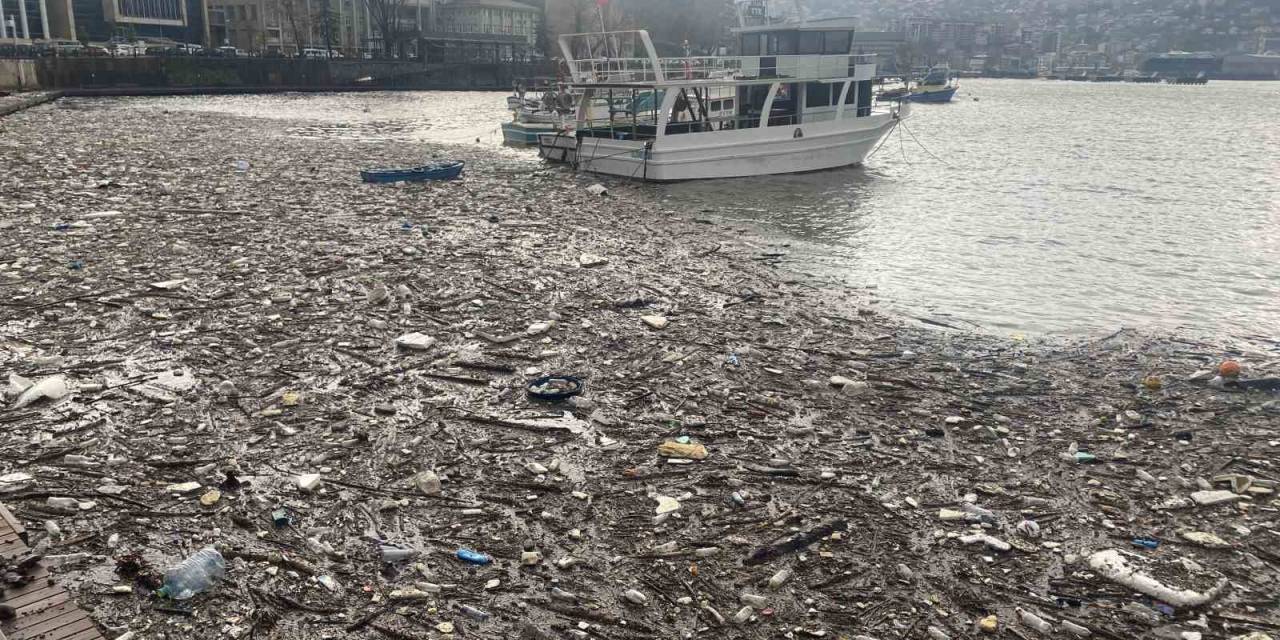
(151, 72)
(18, 75)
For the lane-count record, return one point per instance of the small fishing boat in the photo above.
(547, 114)
(936, 87)
(436, 171)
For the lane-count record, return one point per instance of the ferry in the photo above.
(796, 99)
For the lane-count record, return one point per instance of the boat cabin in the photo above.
(785, 75)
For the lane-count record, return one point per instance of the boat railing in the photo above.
(629, 57)
(641, 126)
(643, 71)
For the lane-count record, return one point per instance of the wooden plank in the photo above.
(45, 610)
(34, 596)
(87, 634)
(36, 607)
(11, 549)
(39, 578)
(56, 629)
(41, 581)
(8, 521)
(43, 629)
(42, 612)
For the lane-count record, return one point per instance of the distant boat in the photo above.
(937, 87)
(436, 171)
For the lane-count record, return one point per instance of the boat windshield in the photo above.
(936, 76)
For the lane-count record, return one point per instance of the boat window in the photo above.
(810, 42)
(715, 105)
(782, 43)
(817, 94)
(837, 43)
(851, 97)
(751, 44)
(728, 104)
(750, 103)
(864, 98)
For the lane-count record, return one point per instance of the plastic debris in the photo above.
(271, 353)
(689, 450)
(1122, 569)
(51, 388)
(415, 341)
(474, 557)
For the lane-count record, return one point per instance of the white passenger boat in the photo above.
(796, 100)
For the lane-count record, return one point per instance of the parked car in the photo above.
(160, 50)
(59, 48)
(185, 48)
(127, 50)
(311, 52)
(95, 50)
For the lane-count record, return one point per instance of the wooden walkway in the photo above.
(45, 610)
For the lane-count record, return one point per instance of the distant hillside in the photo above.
(1220, 25)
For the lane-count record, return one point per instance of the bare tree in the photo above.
(327, 26)
(386, 18)
(292, 11)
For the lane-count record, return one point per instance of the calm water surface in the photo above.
(1024, 206)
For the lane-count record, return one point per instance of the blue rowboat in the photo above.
(436, 171)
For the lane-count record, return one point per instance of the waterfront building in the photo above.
(885, 45)
(22, 21)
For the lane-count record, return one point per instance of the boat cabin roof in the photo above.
(825, 24)
(628, 60)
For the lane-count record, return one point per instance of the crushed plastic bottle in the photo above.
(974, 513)
(194, 575)
(474, 557)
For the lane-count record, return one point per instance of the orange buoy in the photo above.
(1229, 369)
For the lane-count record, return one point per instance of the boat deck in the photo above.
(45, 610)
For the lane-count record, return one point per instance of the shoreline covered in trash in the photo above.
(220, 338)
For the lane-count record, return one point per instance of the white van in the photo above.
(311, 52)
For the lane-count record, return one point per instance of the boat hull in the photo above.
(560, 147)
(524, 133)
(737, 154)
(934, 97)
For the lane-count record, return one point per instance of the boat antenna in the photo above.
(604, 31)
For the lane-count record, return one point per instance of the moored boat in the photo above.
(936, 87)
(796, 99)
(552, 111)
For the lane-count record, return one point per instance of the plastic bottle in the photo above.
(975, 513)
(194, 575)
(474, 557)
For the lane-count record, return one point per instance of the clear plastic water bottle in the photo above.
(194, 575)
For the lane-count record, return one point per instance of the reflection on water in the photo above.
(1050, 206)
(436, 116)
(1025, 206)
